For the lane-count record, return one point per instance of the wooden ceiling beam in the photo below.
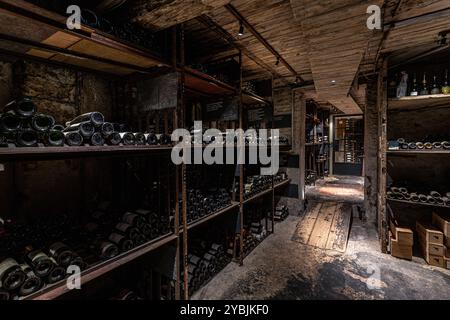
(261, 39)
(214, 26)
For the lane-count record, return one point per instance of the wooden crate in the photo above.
(442, 222)
(403, 236)
(399, 250)
(429, 234)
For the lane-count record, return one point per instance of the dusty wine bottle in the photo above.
(114, 139)
(107, 129)
(58, 127)
(96, 118)
(27, 138)
(86, 129)
(128, 230)
(42, 122)
(97, 140)
(24, 107)
(123, 243)
(133, 219)
(107, 250)
(11, 275)
(40, 262)
(152, 139)
(140, 139)
(79, 262)
(127, 138)
(10, 122)
(165, 139)
(61, 253)
(73, 139)
(32, 282)
(57, 274)
(55, 138)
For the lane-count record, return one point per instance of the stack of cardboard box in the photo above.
(401, 241)
(442, 222)
(431, 241)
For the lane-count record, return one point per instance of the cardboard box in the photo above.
(429, 234)
(442, 222)
(398, 250)
(404, 236)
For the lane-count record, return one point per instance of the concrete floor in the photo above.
(282, 269)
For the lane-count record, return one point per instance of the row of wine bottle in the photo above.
(204, 263)
(434, 197)
(402, 144)
(37, 269)
(22, 125)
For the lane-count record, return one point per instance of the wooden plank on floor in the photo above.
(307, 224)
(322, 227)
(334, 230)
(342, 228)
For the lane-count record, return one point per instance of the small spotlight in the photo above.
(241, 29)
(278, 62)
(333, 82)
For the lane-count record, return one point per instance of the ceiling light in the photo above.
(333, 81)
(241, 29)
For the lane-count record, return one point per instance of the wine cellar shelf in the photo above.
(417, 203)
(92, 50)
(42, 153)
(412, 103)
(59, 289)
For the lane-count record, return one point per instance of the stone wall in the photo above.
(60, 185)
(371, 152)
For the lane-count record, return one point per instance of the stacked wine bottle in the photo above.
(433, 197)
(21, 125)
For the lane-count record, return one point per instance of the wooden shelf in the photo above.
(417, 152)
(418, 203)
(282, 184)
(249, 98)
(412, 103)
(201, 83)
(43, 34)
(265, 192)
(44, 153)
(59, 289)
(194, 224)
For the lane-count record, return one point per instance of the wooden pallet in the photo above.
(325, 226)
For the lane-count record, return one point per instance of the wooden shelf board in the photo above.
(251, 98)
(60, 288)
(232, 206)
(51, 30)
(16, 153)
(408, 103)
(417, 203)
(265, 192)
(417, 152)
(203, 83)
